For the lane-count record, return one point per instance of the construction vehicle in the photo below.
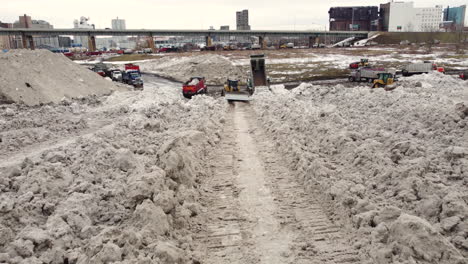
(132, 76)
(194, 86)
(366, 74)
(359, 64)
(464, 75)
(233, 91)
(385, 80)
(420, 68)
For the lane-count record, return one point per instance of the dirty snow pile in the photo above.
(40, 76)
(390, 166)
(123, 194)
(215, 68)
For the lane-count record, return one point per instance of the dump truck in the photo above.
(365, 74)
(420, 68)
(194, 86)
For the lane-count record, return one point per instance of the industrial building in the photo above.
(39, 42)
(224, 28)
(404, 17)
(357, 18)
(242, 20)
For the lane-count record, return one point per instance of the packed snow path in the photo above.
(257, 213)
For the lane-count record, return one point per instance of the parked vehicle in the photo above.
(366, 74)
(255, 46)
(116, 75)
(359, 64)
(419, 68)
(132, 75)
(464, 75)
(194, 86)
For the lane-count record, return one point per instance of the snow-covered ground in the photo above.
(390, 166)
(103, 180)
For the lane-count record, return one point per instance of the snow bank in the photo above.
(40, 76)
(215, 68)
(124, 194)
(392, 166)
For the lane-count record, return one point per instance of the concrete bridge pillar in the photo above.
(24, 40)
(208, 41)
(262, 42)
(31, 43)
(311, 41)
(151, 43)
(92, 43)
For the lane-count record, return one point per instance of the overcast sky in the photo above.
(188, 14)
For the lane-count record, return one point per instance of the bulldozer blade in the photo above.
(237, 97)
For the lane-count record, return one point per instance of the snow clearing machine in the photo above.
(385, 80)
(233, 91)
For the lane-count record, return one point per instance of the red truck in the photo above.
(194, 86)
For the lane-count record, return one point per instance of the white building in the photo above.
(404, 17)
(82, 24)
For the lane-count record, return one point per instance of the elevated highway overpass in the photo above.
(28, 33)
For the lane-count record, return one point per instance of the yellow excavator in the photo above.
(386, 80)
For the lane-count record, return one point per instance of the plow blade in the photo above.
(237, 97)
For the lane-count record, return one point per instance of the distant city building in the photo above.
(404, 17)
(118, 24)
(47, 42)
(82, 24)
(354, 18)
(455, 18)
(224, 28)
(242, 20)
(120, 41)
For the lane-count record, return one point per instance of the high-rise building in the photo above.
(404, 17)
(82, 24)
(242, 20)
(120, 41)
(118, 24)
(365, 18)
(455, 18)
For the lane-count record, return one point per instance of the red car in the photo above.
(194, 86)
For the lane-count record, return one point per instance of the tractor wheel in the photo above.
(351, 79)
